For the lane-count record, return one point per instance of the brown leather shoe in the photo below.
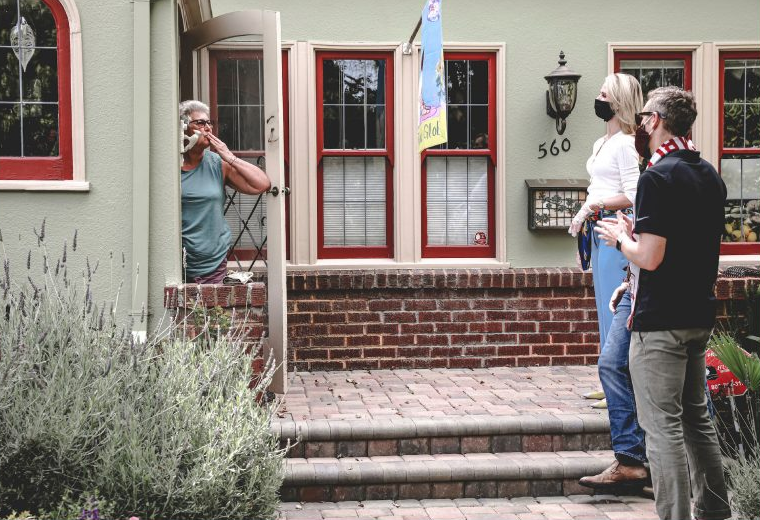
(617, 475)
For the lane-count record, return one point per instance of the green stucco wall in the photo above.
(103, 215)
(534, 33)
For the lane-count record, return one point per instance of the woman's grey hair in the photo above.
(188, 107)
(678, 107)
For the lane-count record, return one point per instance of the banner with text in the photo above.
(432, 124)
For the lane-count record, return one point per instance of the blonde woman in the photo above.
(614, 171)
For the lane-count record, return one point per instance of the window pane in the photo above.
(742, 212)
(333, 179)
(249, 82)
(41, 76)
(673, 77)
(457, 81)
(376, 81)
(353, 81)
(479, 127)
(753, 126)
(40, 130)
(228, 127)
(457, 126)
(226, 82)
(753, 85)
(457, 200)
(650, 79)
(332, 124)
(436, 223)
(38, 15)
(251, 128)
(376, 127)
(733, 86)
(456, 179)
(479, 82)
(354, 133)
(333, 223)
(477, 179)
(9, 89)
(733, 126)
(331, 81)
(10, 130)
(354, 201)
(359, 101)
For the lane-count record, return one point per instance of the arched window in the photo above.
(35, 91)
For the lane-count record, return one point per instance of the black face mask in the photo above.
(603, 110)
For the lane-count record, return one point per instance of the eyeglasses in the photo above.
(202, 122)
(641, 115)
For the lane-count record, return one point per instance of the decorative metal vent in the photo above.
(552, 203)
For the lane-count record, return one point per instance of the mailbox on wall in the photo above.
(552, 203)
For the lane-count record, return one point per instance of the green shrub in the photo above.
(742, 462)
(165, 429)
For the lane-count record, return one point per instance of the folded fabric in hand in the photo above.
(237, 278)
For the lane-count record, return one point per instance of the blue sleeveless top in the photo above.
(205, 232)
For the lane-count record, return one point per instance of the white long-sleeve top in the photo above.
(613, 167)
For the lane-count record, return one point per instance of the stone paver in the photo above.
(602, 507)
(425, 393)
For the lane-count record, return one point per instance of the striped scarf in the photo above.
(671, 145)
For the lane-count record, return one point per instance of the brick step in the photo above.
(444, 435)
(449, 476)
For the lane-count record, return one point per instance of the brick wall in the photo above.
(242, 304)
(461, 318)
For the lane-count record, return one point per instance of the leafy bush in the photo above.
(742, 463)
(165, 429)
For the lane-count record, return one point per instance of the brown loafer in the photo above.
(617, 475)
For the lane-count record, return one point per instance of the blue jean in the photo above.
(608, 266)
(627, 435)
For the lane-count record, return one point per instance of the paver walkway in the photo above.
(424, 393)
(576, 507)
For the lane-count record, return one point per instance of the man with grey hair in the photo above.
(207, 167)
(675, 241)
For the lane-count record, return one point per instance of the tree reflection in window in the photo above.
(29, 108)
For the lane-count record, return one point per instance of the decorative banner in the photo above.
(22, 42)
(432, 124)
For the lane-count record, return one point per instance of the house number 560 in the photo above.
(565, 145)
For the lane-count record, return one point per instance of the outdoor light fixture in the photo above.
(562, 93)
(552, 203)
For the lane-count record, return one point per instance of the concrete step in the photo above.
(444, 476)
(444, 435)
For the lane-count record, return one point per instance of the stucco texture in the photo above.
(102, 216)
(534, 33)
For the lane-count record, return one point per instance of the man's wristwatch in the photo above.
(619, 243)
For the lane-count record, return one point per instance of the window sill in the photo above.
(425, 263)
(746, 260)
(44, 186)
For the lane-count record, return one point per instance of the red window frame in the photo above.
(733, 248)
(60, 167)
(333, 252)
(214, 57)
(659, 55)
(469, 251)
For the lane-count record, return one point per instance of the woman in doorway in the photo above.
(207, 166)
(614, 171)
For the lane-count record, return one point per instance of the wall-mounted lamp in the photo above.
(562, 93)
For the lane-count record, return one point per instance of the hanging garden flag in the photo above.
(432, 126)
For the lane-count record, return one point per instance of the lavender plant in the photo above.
(164, 429)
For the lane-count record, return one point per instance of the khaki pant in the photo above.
(668, 373)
